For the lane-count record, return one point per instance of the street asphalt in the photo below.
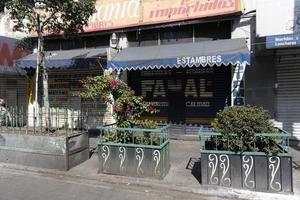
(83, 181)
(22, 185)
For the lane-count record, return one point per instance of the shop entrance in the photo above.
(176, 108)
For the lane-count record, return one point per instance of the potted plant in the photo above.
(131, 146)
(244, 150)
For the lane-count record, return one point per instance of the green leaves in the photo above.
(244, 123)
(57, 16)
(128, 108)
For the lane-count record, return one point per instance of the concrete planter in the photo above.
(254, 172)
(134, 161)
(137, 160)
(61, 153)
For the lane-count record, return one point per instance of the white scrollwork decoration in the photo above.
(273, 160)
(105, 154)
(156, 158)
(213, 163)
(122, 156)
(248, 165)
(139, 156)
(225, 159)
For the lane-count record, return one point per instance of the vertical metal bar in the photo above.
(67, 152)
(58, 116)
(66, 121)
(41, 121)
(72, 120)
(34, 121)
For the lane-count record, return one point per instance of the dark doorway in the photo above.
(176, 109)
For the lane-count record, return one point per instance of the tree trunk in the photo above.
(37, 72)
(46, 94)
(41, 63)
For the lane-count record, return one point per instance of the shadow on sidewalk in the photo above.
(194, 165)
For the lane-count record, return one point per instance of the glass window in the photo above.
(178, 34)
(212, 31)
(72, 44)
(97, 41)
(52, 45)
(142, 38)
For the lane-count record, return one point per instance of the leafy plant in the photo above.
(147, 124)
(239, 125)
(57, 16)
(127, 107)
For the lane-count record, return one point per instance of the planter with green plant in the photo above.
(244, 150)
(131, 146)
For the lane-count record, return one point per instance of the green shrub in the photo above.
(244, 122)
(147, 124)
(144, 138)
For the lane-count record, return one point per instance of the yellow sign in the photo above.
(30, 86)
(114, 14)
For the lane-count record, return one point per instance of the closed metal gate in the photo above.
(288, 90)
(13, 90)
(185, 95)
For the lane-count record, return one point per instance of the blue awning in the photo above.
(64, 59)
(209, 53)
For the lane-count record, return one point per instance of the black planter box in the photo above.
(134, 160)
(248, 171)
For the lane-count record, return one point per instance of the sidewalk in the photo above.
(182, 176)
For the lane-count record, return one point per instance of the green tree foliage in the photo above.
(127, 107)
(67, 16)
(239, 125)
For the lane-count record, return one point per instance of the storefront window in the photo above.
(184, 95)
(52, 45)
(175, 35)
(142, 38)
(97, 41)
(212, 31)
(72, 44)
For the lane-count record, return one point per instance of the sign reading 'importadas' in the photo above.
(113, 14)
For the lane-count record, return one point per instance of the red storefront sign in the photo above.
(9, 52)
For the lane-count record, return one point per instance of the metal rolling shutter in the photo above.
(288, 91)
(13, 90)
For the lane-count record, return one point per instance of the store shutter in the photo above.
(288, 91)
(13, 90)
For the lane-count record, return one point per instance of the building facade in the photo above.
(13, 80)
(205, 42)
(277, 62)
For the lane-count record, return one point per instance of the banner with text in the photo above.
(113, 14)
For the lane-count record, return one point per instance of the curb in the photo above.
(213, 191)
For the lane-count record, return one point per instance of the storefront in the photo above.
(287, 61)
(172, 50)
(12, 80)
(65, 71)
(187, 83)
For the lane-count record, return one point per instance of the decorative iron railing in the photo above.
(61, 121)
(134, 151)
(206, 135)
(253, 170)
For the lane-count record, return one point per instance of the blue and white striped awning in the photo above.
(209, 53)
(64, 59)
